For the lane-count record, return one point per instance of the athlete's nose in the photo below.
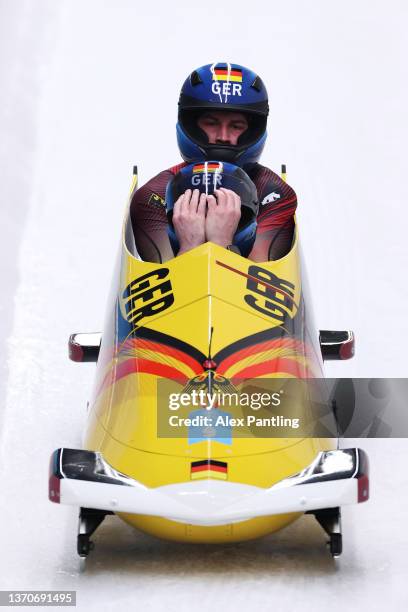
(223, 133)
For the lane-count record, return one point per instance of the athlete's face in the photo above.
(223, 127)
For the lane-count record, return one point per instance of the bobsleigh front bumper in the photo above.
(83, 478)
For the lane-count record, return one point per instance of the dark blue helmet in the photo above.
(228, 87)
(207, 176)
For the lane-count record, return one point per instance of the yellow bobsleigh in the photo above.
(206, 322)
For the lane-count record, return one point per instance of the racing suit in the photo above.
(275, 217)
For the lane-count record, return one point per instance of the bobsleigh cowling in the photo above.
(206, 318)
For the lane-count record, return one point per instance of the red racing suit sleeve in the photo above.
(277, 206)
(149, 220)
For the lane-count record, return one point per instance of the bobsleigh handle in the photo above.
(84, 347)
(337, 344)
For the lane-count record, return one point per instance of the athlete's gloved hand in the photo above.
(189, 219)
(223, 215)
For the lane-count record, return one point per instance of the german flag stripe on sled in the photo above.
(209, 468)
